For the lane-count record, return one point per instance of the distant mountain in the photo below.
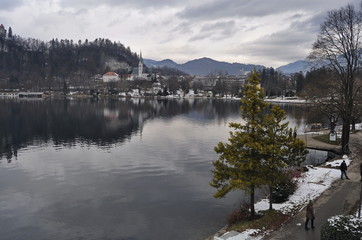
(164, 63)
(204, 66)
(298, 66)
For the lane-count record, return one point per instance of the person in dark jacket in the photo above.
(360, 169)
(309, 215)
(343, 168)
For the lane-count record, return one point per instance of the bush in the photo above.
(342, 227)
(238, 215)
(234, 217)
(284, 188)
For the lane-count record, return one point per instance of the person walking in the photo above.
(309, 215)
(360, 169)
(343, 169)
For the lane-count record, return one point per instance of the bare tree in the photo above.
(319, 89)
(338, 48)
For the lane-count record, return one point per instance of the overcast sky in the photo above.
(266, 32)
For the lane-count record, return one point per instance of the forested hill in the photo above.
(38, 65)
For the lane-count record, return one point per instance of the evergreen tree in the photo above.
(10, 33)
(280, 148)
(65, 88)
(257, 150)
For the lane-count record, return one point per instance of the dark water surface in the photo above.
(114, 169)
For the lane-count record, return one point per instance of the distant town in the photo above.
(105, 68)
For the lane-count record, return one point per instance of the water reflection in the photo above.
(317, 157)
(108, 121)
(114, 169)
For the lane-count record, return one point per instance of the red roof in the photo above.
(110, 74)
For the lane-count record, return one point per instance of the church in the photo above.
(137, 72)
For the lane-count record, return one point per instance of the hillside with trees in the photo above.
(38, 65)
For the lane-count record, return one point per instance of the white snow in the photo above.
(311, 185)
(246, 235)
(337, 163)
(353, 225)
(285, 100)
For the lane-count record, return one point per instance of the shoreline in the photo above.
(293, 223)
(291, 100)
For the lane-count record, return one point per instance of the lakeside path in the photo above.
(319, 145)
(340, 198)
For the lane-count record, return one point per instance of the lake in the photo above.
(130, 169)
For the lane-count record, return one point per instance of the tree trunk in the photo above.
(252, 201)
(345, 136)
(270, 197)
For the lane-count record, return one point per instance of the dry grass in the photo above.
(325, 138)
(270, 220)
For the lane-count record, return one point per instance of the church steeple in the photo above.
(140, 66)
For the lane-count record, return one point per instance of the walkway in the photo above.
(341, 198)
(315, 144)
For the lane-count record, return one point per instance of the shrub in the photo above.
(282, 190)
(342, 227)
(238, 215)
(234, 217)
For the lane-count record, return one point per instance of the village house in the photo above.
(209, 82)
(110, 77)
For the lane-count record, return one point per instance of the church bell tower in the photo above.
(140, 66)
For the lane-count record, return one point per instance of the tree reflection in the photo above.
(102, 122)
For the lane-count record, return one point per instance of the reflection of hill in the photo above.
(96, 122)
(101, 122)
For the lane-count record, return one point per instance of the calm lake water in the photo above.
(129, 169)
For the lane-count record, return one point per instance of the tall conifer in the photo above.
(258, 149)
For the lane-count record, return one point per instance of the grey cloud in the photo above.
(183, 28)
(140, 4)
(10, 4)
(283, 46)
(255, 8)
(310, 25)
(217, 26)
(216, 31)
(200, 36)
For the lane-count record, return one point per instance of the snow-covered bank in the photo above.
(311, 185)
(285, 100)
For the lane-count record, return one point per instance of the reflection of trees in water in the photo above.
(96, 122)
(93, 122)
(304, 114)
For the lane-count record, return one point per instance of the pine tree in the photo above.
(10, 33)
(280, 149)
(257, 150)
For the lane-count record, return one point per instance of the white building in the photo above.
(111, 77)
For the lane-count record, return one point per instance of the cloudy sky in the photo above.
(267, 32)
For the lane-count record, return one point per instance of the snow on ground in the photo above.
(358, 126)
(311, 185)
(285, 100)
(246, 235)
(337, 163)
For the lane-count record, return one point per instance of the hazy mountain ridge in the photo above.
(297, 66)
(204, 66)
